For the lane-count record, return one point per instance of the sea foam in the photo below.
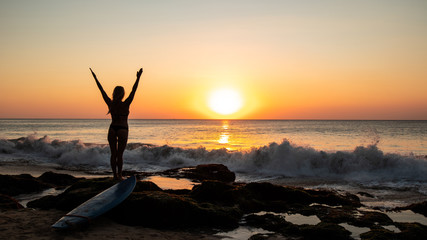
(366, 164)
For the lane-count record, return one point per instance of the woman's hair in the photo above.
(118, 93)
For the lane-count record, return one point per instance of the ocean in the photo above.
(387, 159)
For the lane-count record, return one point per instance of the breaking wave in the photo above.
(364, 163)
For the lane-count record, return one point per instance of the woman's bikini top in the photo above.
(119, 114)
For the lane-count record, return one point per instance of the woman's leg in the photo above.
(112, 140)
(122, 135)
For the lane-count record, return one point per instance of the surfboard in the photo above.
(97, 205)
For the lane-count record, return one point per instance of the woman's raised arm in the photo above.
(104, 95)
(135, 86)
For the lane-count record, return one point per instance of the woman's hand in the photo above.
(93, 74)
(138, 74)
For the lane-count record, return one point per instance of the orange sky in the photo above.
(288, 59)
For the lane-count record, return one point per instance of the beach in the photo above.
(35, 224)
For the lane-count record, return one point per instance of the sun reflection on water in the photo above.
(223, 138)
(225, 134)
(171, 183)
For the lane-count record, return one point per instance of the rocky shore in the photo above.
(218, 203)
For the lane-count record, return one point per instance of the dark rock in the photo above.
(13, 185)
(163, 210)
(250, 197)
(347, 215)
(412, 231)
(214, 191)
(327, 231)
(216, 172)
(334, 215)
(420, 208)
(370, 219)
(333, 198)
(277, 223)
(270, 222)
(23, 184)
(266, 196)
(7, 202)
(365, 194)
(305, 210)
(409, 231)
(178, 191)
(268, 236)
(25, 176)
(270, 192)
(74, 195)
(378, 234)
(255, 197)
(292, 195)
(146, 186)
(57, 179)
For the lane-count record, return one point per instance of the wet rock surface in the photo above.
(164, 210)
(13, 185)
(198, 173)
(409, 231)
(420, 208)
(275, 223)
(57, 180)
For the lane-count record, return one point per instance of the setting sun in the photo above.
(225, 101)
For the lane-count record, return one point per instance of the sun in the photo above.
(225, 101)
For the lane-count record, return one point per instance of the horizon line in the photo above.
(218, 119)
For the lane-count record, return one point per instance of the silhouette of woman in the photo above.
(119, 129)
